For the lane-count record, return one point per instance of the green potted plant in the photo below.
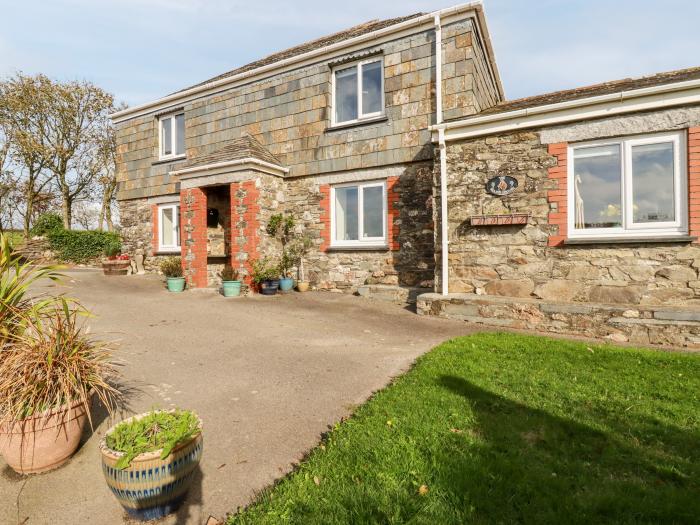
(266, 275)
(229, 282)
(281, 227)
(167, 445)
(171, 267)
(116, 263)
(300, 248)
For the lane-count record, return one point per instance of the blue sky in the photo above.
(143, 49)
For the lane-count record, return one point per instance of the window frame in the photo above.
(629, 228)
(362, 242)
(173, 137)
(360, 116)
(163, 248)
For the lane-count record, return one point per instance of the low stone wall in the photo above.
(643, 325)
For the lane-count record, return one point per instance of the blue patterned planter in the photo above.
(150, 487)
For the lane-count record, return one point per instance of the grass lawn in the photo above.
(503, 428)
(16, 237)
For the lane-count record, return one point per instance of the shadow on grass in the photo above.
(520, 464)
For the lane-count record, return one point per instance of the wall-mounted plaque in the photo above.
(502, 185)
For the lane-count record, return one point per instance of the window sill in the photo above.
(168, 252)
(170, 160)
(631, 240)
(368, 248)
(374, 120)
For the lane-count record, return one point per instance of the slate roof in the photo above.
(615, 86)
(237, 149)
(347, 34)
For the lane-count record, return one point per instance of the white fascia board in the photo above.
(472, 9)
(644, 99)
(229, 166)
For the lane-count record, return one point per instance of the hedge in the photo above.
(46, 223)
(80, 246)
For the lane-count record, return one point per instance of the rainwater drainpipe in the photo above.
(443, 156)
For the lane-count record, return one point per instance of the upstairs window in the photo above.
(172, 136)
(358, 91)
(169, 228)
(359, 214)
(633, 186)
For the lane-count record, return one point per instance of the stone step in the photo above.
(391, 293)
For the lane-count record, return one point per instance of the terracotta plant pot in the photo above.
(44, 441)
(303, 286)
(150, 487)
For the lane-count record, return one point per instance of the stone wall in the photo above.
(290, 115)
(516, 261)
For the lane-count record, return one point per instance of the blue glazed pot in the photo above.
(286, 284)
(269, 287)
(231, 288)
(176, 284)
(150, 487)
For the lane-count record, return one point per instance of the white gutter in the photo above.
(438, 70)
(473, 9)
(445, 285)
(635, 100)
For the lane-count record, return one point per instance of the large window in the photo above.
(358, 91)
(169, 228)
(172, 136)
(631, 187)
(358, 215)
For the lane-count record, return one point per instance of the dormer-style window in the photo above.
(358, 91)
(172, 136)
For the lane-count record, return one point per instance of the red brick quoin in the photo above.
(558, 213)
(250, 224)
(393, 195)
(154, 229)
(694, 181)
(193, 204)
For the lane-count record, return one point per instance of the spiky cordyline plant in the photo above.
(54, 361)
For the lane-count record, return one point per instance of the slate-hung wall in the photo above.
(290, 115)
(531, 261)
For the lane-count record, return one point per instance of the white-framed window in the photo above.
(169, 228)
(626, 187)
(358, 91)
(171, 133)
(359, 215)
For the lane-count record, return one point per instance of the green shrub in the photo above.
(171, 267)
(79, 246)
(47, 222)
(113, 249)
(265, 269)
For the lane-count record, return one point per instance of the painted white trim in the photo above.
(231, 165)
(164, 199)
(357, 65)
(630, 229)
(176, 228)
(438, 70)
(472, 9)
(444, 226)
(632, 101)
(362, 242)
(172, 117)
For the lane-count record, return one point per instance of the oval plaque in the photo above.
(502, 185)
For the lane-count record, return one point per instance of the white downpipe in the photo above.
(443, 212)
(443, 156)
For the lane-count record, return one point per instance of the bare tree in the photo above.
(108, 178)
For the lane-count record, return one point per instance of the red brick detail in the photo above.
(154, 229)
(325, 205)
(234, 248)
(558, 215)
(393, 221)
(193, 213)
(694, 181)
(250, 225)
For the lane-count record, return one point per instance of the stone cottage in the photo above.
(392, 144)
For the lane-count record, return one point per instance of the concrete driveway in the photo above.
(267, 375)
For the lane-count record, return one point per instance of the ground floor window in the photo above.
(358, 215)
(169, 227)
(629, 186)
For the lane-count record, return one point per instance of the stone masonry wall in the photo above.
(516, 261)
(289, 114)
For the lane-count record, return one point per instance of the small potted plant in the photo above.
(281, 227)
(49, 375)
(286, 264)
(229, 282)
(300, 248)
(116, 262)
(165, 444)
(171, 267)
(266, 275)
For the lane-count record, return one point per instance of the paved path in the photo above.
(267, 376)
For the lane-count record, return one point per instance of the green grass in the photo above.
(16, 237)
(501, 428)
